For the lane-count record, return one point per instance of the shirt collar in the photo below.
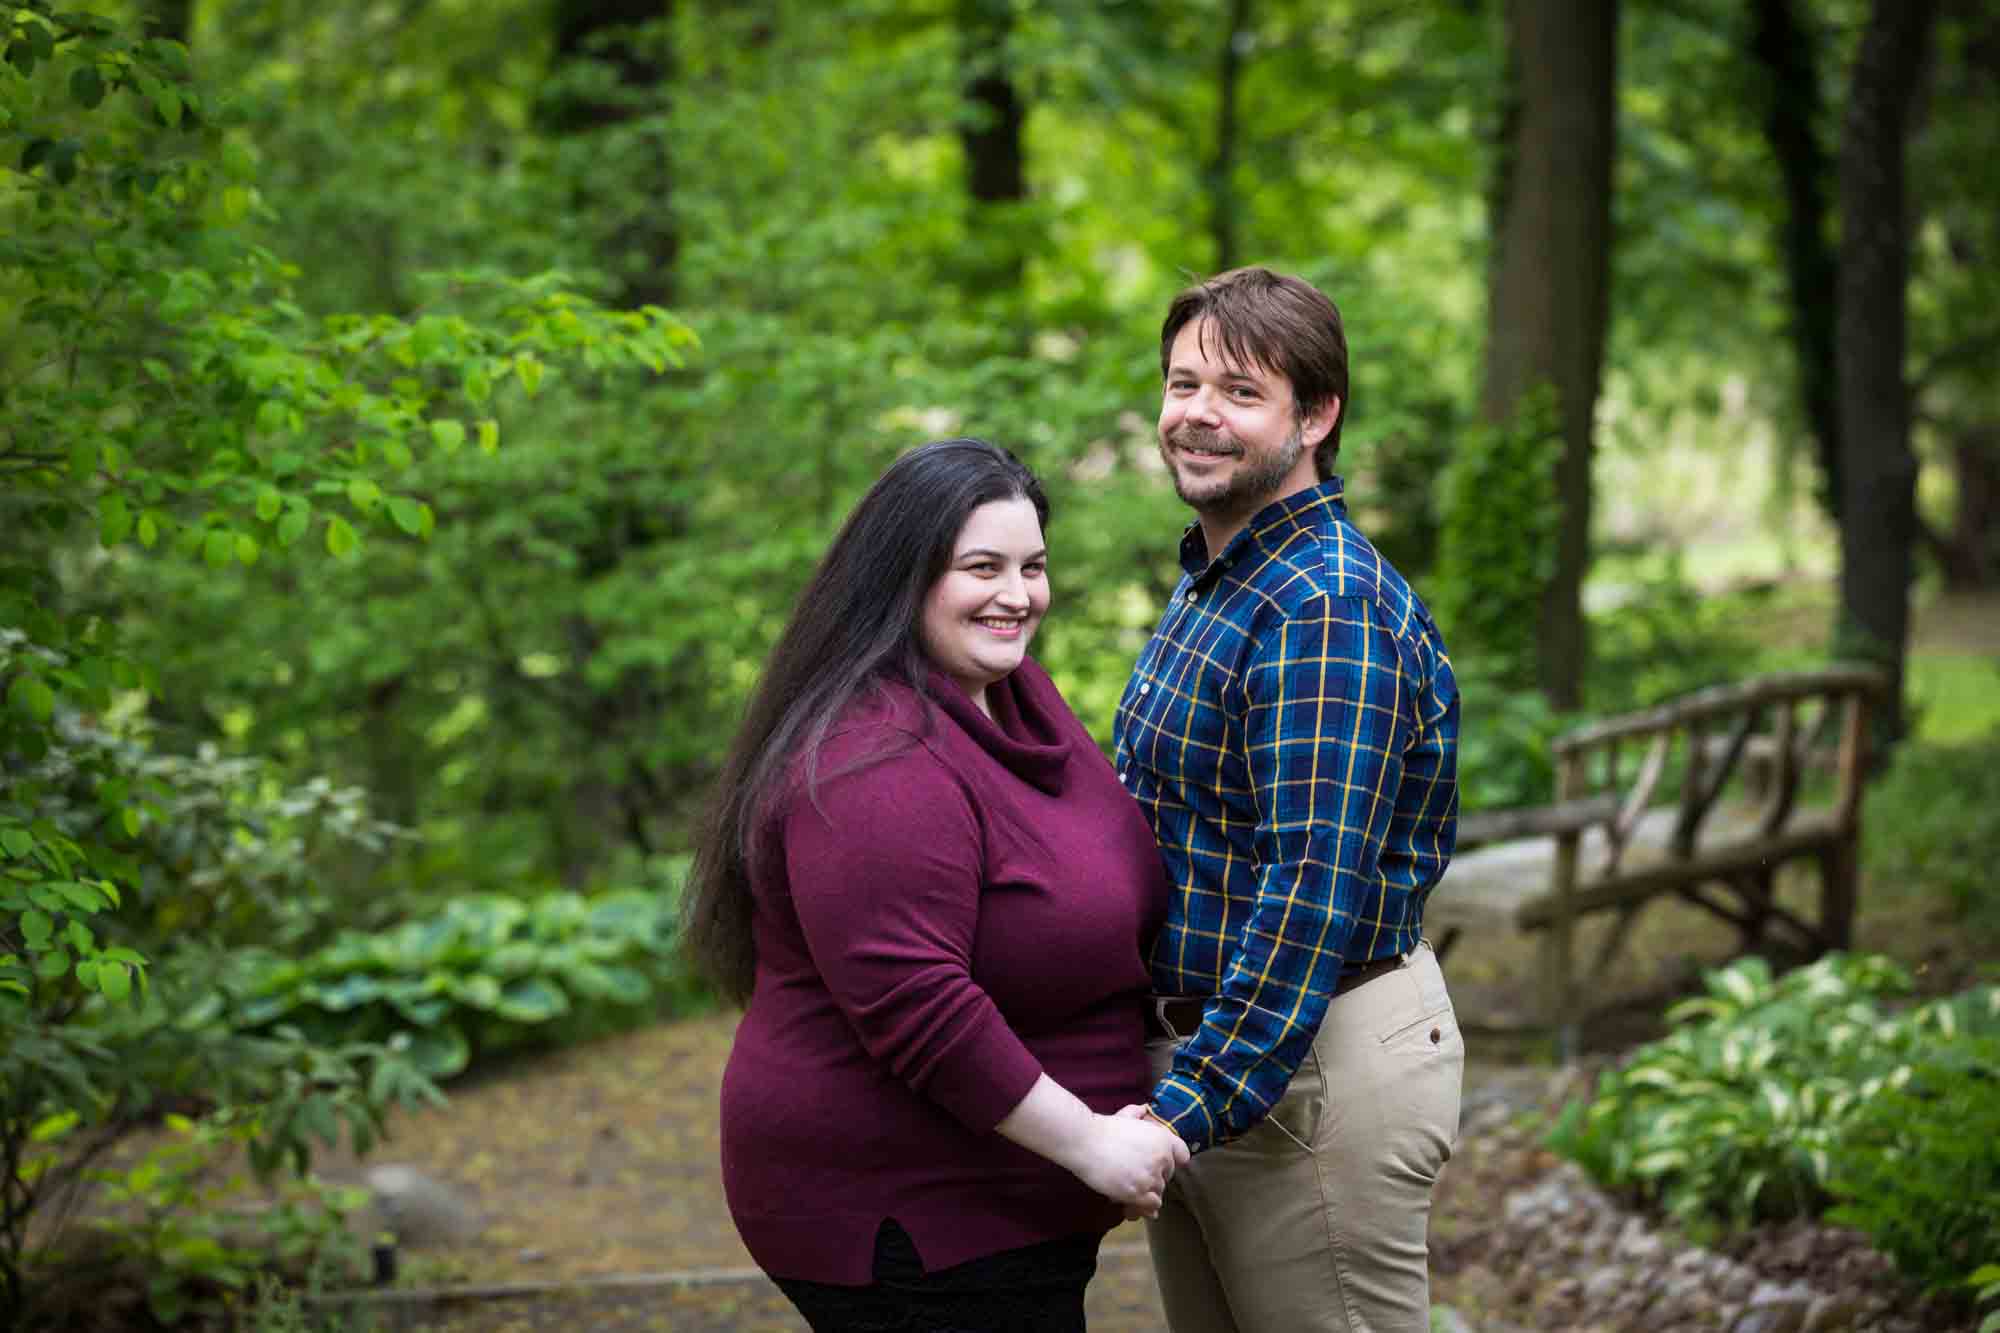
(1289, 512)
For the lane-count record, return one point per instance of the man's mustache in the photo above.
(1202, 437)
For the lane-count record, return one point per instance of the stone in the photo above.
(418, 1209)
(1602, 1285)
(1832, 1314)
(1774, 1308)
(1639, 1243)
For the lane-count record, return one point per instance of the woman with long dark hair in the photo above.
(926, 885)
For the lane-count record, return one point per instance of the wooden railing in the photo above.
(1765, 734)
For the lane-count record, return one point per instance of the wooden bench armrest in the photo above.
(1725, 699)
(1489, 826)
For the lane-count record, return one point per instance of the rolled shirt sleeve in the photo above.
(1320, 700)
(884, 872)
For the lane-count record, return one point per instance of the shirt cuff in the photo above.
(1185, 1113)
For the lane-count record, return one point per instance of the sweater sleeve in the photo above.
(884, 869)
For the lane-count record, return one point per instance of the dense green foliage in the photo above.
(1782, 1097)
(481, 974)
(1497, 540)
(167, 399)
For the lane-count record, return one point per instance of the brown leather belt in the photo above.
(1180, 1016)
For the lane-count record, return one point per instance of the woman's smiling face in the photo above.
(981, 614)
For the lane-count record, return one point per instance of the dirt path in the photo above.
(597, 1165)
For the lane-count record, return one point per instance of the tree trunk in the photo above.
(1788, 53)
(1879, 472)
(990, 135)
(1968, 553)
(1547, 317)
(1222, 190)
(644, 242)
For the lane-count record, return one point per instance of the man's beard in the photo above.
(1251, 486)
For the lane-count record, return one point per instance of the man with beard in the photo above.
(1291, 731)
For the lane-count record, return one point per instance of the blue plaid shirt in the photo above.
(1292, 733)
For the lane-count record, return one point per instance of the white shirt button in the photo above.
(1145, 687)
(1190, 596)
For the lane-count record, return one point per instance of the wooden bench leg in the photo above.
(1840, 883)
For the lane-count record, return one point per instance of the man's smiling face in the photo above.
(1229, 433)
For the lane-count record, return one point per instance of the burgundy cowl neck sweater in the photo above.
(961, 904)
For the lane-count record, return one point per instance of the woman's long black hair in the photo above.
(855, 624)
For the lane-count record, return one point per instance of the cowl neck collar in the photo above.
(1024, 734)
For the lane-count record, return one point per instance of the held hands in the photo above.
(1129, 1159)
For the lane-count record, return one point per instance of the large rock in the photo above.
(418, 1209)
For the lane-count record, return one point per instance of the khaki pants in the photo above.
(1317, 1218)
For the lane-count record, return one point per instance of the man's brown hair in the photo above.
(1275, 322)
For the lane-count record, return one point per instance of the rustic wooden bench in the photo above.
(1759, 739)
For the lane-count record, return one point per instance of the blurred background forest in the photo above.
(416, 416)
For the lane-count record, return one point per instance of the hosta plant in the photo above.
(483, 973)
(1751, 1107)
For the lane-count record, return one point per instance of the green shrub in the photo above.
(485, 973)
(1497, 541)
(194, 1235)
(1918, 1168)
(1929, 822)
(1770, 1097)
(1505, 730)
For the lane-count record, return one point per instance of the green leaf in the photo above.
(532, 1000)
(114, 519)
(114, 979)
(363, 494)
(32, 698)
(80, 896)
(447, 434)
(350, 992)
(167, 101)
(218, 548)
(529, 371)
(86, 85)
(293, 525)
(54, 1127)
(149, 530)
(340, 539)
(17, 842)
(440, 1052)
(62, 161)
(37, 928)
(408, 514)
(269, 504)
(52, 964)
(489, 436)
(247, 549)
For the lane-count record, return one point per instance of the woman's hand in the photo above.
(1125, 1157)
(1129, 1160)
